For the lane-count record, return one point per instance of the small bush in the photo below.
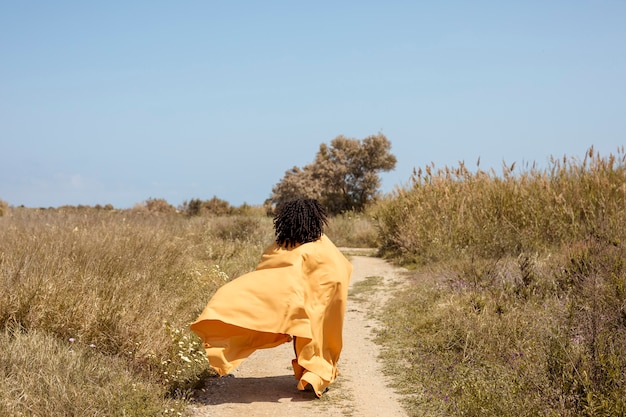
(212, 207)
(155, 206)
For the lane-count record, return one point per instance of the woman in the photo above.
(297, 292)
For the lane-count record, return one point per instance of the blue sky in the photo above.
(117, 102)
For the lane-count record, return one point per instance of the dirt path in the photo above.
(264, 384)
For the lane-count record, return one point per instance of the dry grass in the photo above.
(4, 207)
(451, 211)
(518, 305)
(43, 375)
(112, 287)
(95, 305)
(353, 230)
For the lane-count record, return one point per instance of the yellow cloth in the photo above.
(299, 292)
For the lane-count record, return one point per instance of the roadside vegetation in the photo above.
(95, 306)
(517, 303)
(95, 303)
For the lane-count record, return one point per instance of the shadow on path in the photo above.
(232, 390)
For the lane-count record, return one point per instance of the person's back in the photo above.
(299, 289)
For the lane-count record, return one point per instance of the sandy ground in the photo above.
(264, 384)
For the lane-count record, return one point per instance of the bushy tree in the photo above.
(344, 175)
(214, 206)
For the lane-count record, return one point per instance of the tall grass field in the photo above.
(95, 304)
(517, 306)
(515, 303)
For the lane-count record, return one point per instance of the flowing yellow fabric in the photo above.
(299, 292)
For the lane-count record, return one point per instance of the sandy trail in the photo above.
(264, 384)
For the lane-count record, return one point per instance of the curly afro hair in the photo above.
(299, 221)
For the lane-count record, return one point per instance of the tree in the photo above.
(214, 206)
(344, 175)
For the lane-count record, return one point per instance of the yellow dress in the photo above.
(299, 292)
